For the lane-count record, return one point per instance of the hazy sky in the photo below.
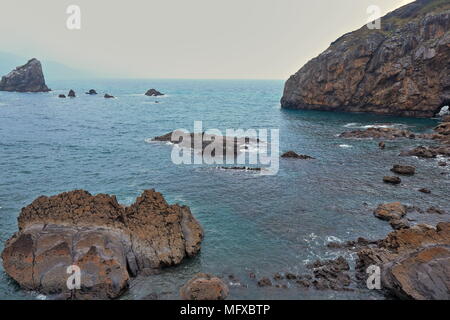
(254, 39)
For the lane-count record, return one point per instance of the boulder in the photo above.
(108, 242)
(61, 96)
(427, 152)
(414, 262)
(403, 169)
(71, 94)
(390, 211)
(92, 92)
(204, 287)
(401, 69)
(26, 78)
(425, 190)
(294, 155)
(108, 96)
(153, 93)
(392, 179)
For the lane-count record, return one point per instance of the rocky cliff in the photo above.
(26, 78)
(401, 69)
(108, 242)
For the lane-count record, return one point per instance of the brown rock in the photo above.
(398, 224)
(204, 287)
(403, 169)
(377, 133)
(264, 282)
(425, 190)
(392, 180)
(382, 145)
(109, 242)
(390, 211)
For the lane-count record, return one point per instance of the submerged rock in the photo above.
(108, 242)
(204, 287)
(108, 96)
(153, 93)
(400, 69)
(403, 169)
(415, 262)
(26, 78)
(294, 155)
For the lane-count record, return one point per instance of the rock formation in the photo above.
(153, 93)
(403, 169)
(414, 262)
(91, 91)
(294, 155)
(71, 94)
(108, 96)
(26, 78)
(110, 243)
(204, 287)
(400, 69)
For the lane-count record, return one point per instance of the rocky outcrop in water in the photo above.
(204, 287)
(71, 94)
(414, 262)
(378, 133)
(110, 243)
(91, 92)
(403, 169)
(401, 69)
(294, 155)
(26, 78)
(153, 93)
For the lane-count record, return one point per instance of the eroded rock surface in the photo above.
(401, 69)
(108, 242)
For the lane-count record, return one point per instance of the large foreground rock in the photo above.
(110, 243)
(414, 262)
(401, 69)
(26, 78)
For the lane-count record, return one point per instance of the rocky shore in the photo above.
(108, 242)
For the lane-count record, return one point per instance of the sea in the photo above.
(253, 223)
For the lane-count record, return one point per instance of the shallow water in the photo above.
(261, 224)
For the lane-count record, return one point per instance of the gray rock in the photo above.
(26, 78)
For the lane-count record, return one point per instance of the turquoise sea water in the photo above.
(260, 224)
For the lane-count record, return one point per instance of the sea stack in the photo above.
(26, 78)
(401, 69)
(153, 93)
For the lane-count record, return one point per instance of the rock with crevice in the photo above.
(400, 69)
(109, 242)
(26, 78)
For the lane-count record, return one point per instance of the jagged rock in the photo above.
(294, 155)
(392, 180)
(92, 91)
(108, 96)
(204, 287)
(443, 128)
(71, 94)
(26, 78)
(400, 69)
(109, 242)
(415, 262)
(390, 211)
(403, 169)
(331, 274)
(153, 93)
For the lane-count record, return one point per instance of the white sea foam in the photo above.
(333, 239)
(41, 297)
(355, 125)
(345, 146)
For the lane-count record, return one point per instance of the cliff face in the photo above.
(401, 69)
(26, 78)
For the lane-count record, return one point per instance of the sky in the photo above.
(196, 39)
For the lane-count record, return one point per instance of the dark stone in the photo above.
(403, 169)
(92, 91)
(153, 93)
(264, 282)
(61, 96)
(392, 180)
(108, 96)
(294, 155)
(26, 78)
(71, 94)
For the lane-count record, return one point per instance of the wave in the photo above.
(355, 125)
(345, 146)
